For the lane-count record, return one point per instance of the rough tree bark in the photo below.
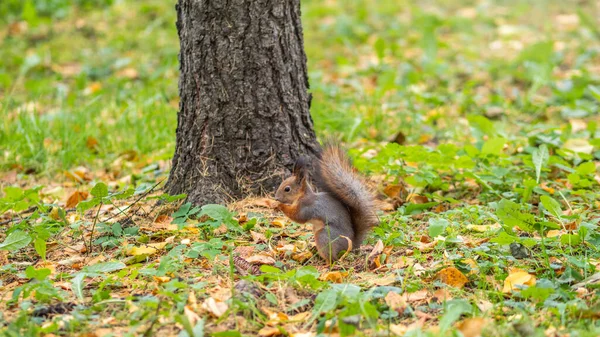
(244, 112)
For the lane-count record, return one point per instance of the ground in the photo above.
(475, 121)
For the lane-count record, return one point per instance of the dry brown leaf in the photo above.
(244, 251)
(472, 327)
(393, 191)
(517, 278)
(398, 329)
(373, 256)
(258, 237)
(383, 281)
(417, 199)
(419, 295)
(148, 249)
(484, 305)
(161, 279)
(76, 198)
(269, 331)
(334, 276)
(214, 307)
(452, 277)
(403, 262)
(192, 317)
(396, 302)
(261, 259)
(302, 257)
(279, 222)
(441, 295)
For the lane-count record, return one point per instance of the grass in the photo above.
(493, 181)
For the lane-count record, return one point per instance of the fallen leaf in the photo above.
(161, 279)
(419, 295)
(261, 259)
(373, 256)
(279, 222)
(258, 237)
(579, 145)
(417, 199)
(517, 278)
(396, 302)
(452, 277)
(441, 295)
(472, 327)
(76, 198)
(148, 249)
(269, 331)
(91, 143)
(302, 257)
(393, 191)
(214, 307)
(333, 276)
(483, 228)
(192, 317)
(383, 281)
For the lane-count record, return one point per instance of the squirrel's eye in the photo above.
(287, 189)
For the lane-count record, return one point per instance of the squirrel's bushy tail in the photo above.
(336, 175)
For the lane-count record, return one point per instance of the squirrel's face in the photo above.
(289, 191)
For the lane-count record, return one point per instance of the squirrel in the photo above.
(341, 210)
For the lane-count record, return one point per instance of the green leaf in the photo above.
(15, 241)
(539, 294)
(216, 212)
(40, 247)
(228, 333)
(586, 168)
(504, 238)
(105, 267)
(493, 146)
(38, 274)
(437, 227)
(325, 301)
(539, 157)
(570, 239)
(100, 190)
(380, 48)
(454, 309)
(551, 205)
(415, 208)
(77, 285)
(510, 214)
(85, 205)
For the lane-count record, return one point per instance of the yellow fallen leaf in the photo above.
(452, 277)
(472, 327)
(279, 222)
(334, 276)
(516, 278)
(483, 228)
(396, 302)
(148, 249)
(75, 198)
(269, 331)
(214, 307)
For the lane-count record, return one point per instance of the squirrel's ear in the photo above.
(301, 168)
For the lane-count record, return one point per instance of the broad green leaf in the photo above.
(105, 267)
(100, 190)
(539, 157)
(586, 168)
(325, 301)
(228, 333)
(510, 214)
(493, 146)
(40, 247)
(38, 274)
(539, 294)
(551, 205)
(13, 193)
(77, 285)
(570, 239)
(380, 48)
(437, 227)
(454, 309)
(15, 241)
(216, 212)
(504, 238)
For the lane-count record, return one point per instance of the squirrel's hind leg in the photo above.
(330, 244)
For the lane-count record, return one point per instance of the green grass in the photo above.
(497, 103)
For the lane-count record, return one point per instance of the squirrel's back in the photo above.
(335, 174)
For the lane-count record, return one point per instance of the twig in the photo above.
(94, 227)
(135, 202)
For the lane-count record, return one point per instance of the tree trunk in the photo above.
(244, 112)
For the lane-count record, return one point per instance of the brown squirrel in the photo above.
(341, 207)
